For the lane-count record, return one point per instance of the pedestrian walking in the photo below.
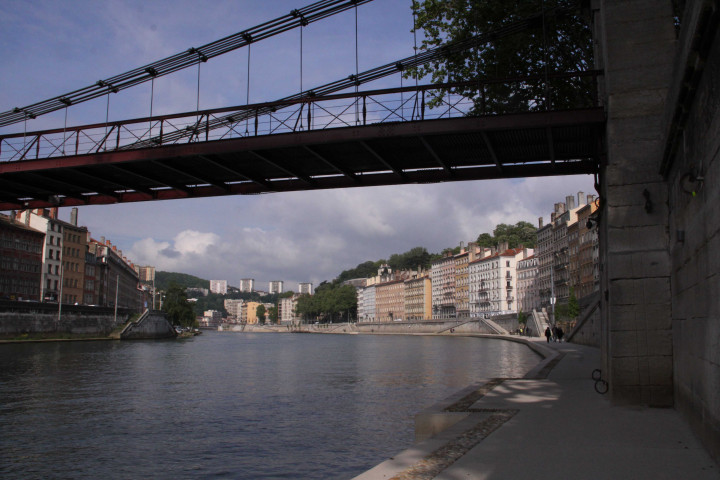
(548, 334)
(560, 334)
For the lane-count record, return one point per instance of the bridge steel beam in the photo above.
(334, 158)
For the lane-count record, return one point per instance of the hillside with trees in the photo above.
(333, 301)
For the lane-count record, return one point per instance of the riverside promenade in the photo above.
(552, 425)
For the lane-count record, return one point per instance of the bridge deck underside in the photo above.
(470, 148)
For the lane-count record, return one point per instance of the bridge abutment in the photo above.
(660, 222)
(636, 42)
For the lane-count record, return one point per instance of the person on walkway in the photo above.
(560, 334)
(548, 334)
(554, 333)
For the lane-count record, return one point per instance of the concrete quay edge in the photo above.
(550, 424)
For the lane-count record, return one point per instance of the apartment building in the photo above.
(233, 309)
(588, 250)
(117, 277)
(528, 297)
(305, 287)
(390, 301)
(45, 220)
(218, 286)
(248, 313)
(275, 286)
(286, 310)
(247, 285)
(211, 318)
(418, 297)
(75, 247)
(442, 277)
(366, 304)
(21, 249)
(461, 261)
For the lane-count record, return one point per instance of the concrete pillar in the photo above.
(636, 41)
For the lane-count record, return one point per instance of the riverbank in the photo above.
(551, 424)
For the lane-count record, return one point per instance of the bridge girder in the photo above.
(429, 151)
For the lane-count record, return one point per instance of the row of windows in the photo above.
(19, 243)
(21, 265)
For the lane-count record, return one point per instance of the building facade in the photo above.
(45, 220)
(390, 301)
(418, 298)
(75, 247)
(305, 287)
(218, 286)
(528, 297)
(247, 285)
(21, 249)
(275, 286)
(442, 277)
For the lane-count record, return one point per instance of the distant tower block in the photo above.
(247, 285)
(305, 288)
(275, 286)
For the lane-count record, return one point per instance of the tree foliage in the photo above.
(556, 38)
(260, 312)
(273, 314)
(164, 279)
(410, 260)
(329, 304)
(178, 310)
(522, 233)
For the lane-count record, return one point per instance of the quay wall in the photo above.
(153, 324)
(20, 318)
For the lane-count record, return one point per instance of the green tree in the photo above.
(522, 233)
(329, 304)
(553, 36)
(260, 312)
(179, 311)
(573, 305)
(273, 314)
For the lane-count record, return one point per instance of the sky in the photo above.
(52, 48)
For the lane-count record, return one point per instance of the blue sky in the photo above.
(51, 48)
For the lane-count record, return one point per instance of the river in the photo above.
(229, 405)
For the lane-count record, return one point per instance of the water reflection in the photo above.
(229, 405)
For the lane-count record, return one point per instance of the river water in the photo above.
(229, 405)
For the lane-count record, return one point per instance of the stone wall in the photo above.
(636, 43)
(588, 329)
(694, 224)
(19, 318)
(152, 325)
(660, 221)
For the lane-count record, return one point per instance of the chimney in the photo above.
(102, 240)
(590, 199)
(540, 222)
(54, 213)
(570, 202)
(552, 216)
(74, 216)
(581, 199)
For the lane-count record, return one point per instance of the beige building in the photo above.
(390, 301)
(588, 251)
(418, 297)
(248, 313)
(75, 248)
(461, 260)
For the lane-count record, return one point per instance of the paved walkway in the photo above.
(554, 428)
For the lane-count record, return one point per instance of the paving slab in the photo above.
(557, 427)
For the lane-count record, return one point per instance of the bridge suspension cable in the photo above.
(193, 56)
(354, 80)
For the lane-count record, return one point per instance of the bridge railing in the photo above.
(309, 113)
